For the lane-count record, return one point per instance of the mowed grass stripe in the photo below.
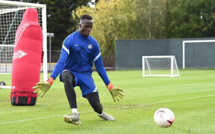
(190, 97)
(119, 108)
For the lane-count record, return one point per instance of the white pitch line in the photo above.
(145, 105)
(191, 98)
(40, 118)
(48, 117)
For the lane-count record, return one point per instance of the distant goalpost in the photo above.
(184, 47)
(11, 13)
(159, 66)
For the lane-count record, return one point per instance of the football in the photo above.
(164, 117)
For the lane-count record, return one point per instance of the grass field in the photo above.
(191, 97)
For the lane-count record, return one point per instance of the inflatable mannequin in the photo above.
(26, 59)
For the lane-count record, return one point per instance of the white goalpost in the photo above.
(159, 66)
(11, 13)
(191, 41)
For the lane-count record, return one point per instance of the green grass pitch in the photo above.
(191, 97)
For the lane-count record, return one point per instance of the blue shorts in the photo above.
(85, 82)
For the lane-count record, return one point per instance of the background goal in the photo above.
(11, 14)
(159, 66)
(200, 52)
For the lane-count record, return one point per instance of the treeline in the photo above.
(131, 19)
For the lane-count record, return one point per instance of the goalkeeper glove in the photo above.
(115, 92)
(43, 86)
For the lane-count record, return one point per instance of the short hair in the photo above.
(88, 17)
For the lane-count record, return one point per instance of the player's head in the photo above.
(85, 25)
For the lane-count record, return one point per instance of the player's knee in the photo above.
(67, 77)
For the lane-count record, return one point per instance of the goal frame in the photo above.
(172, 57)
(44, 29)
(190, 41)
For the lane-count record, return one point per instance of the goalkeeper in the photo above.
(79, 52)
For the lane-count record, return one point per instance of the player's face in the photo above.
(85, 27)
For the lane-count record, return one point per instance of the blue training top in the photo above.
(78, 54)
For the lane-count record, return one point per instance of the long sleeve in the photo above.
(101, 70)
(62, 60)
(60, 64)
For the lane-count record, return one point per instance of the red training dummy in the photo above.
(26, 59)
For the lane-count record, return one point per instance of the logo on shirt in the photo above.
(19, 54)
(89, 46)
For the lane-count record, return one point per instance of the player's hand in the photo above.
(116, 92)
(43, 86)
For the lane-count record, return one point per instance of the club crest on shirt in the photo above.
(89, 46)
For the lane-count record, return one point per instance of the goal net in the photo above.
(159, 66)
(11, 14)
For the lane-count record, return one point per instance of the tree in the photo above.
(124, 19)
(193, 18)
(59, 17)
(170, 4)
(113, 19)
(150, 18)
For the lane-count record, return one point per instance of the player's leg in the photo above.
(69, 82)
(93, 99)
